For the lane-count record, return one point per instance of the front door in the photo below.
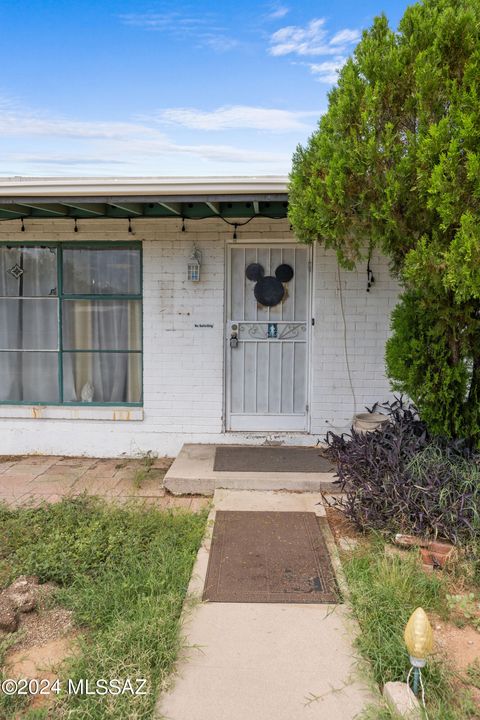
(267, 336)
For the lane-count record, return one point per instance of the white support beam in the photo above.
(52, 208)
(12, 209)
(93, 209)
(214, 207)
(175, 208)
(256, 207)
(133, 209)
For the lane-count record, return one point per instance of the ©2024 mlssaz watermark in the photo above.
(82, 686)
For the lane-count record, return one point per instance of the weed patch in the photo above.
(385, 589)
(124, 573)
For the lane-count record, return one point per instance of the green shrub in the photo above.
(395, 164)
(419, 362)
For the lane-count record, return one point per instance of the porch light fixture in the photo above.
(75, 227)
(194, 264)
(130, 225)
(419, 641)
(23, 227)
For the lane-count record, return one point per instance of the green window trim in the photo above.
(61, 297)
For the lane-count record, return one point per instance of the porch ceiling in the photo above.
(272, 206)
(239, 197)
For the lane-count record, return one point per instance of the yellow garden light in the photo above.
(419, 641)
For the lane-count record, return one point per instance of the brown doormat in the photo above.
(269, 557)
(232, 458)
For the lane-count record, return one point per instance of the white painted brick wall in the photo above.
(367, 319)
(183, 364)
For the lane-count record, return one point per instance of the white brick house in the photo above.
(107, 346)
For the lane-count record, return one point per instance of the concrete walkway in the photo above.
(264, 661)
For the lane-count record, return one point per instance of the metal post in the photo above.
(416, 678)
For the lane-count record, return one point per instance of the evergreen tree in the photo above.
(395, 163)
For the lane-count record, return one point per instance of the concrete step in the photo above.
(192, 473)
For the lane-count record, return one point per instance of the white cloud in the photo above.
(345, 37)
(310, 40)
(202, 29)
(34, 140)
(58, 159)
(175, 22)
(17, 120)
(240, 117)
(327, 72)
(278, 12)
(153, 149)
(150, 21)
(219, 43)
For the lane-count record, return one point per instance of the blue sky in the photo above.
(168, 88)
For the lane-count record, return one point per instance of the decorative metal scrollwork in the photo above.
(260, 331)
(293, 330)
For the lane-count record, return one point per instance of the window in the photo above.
(71, 324)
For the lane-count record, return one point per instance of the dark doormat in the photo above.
(232, 458)
(269, 557)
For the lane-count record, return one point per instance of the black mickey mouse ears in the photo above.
(255, 272)
(284, 273)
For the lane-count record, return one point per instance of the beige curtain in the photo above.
(103, 325)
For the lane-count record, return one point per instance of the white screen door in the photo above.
(267, 345)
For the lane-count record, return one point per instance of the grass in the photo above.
(147, 460)
(474, 674)
(124, 572)
(384, 592)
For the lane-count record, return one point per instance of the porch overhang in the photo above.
(188, 198)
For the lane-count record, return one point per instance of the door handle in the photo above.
(234, 335)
